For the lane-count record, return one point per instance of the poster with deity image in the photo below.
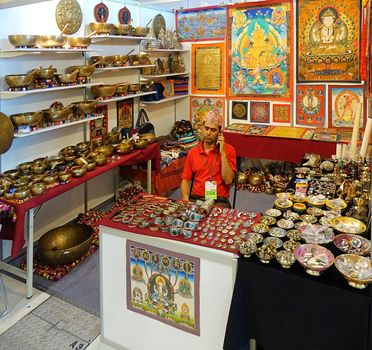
(164, 285)
(259, 57)
(328, 40)
(310, 102)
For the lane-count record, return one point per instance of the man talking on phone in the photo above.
(211, 165)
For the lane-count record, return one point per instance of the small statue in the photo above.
(176, 44)
(170, 64)
(165, 65)
(168, 40)
(161, 38)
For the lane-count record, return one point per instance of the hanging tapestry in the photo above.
(208, 68)
(200, 106)
(206, 23)
(342, 105)
(124, 110)
(259, 59)
(259, 112)
(328, 40)
(281, 113)
(164, 285)
(310, 102)
(98, 128)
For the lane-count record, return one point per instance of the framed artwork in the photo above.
(101, 12)
(259, 112)
(328, 40)
(163, 285)
(287, 132)
(281, 113)
(204, 23)
(98, 128)
(239, 110)
(208, 68)
(201, 105)
(259, 51)
(342, 105)
(310, 102)
(124, 113)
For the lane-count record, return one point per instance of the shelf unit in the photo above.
(55, 127)
(102, 37)
(165, 50)
(127, 97)
(11, 53)
(6, 95)
(164, 100)
(108, 69)
(163, 75)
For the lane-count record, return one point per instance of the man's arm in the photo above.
(227, 171)
(185, 190)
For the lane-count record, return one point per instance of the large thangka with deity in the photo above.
(260, 50)
(328, 40)
(164, 285)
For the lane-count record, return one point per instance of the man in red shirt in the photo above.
(211, 165)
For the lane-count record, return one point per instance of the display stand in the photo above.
(125, 329)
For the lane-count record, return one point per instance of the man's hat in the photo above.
(214, 116)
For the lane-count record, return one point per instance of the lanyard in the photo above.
(206, 164)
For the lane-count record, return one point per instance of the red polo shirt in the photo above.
(199, 165)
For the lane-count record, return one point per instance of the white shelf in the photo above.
(102, 37)
(164, 50)
(9, 53)
(59, 126)
(14, 94)
(164, 100)
(4, 4)
(126, 97)
(107, 69)
(163, 75)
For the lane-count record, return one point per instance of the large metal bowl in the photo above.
(104, 90)
(67, 77)
(49, 41)
(79, 42)
(103, 61)
(123, 29)
(59, 113)
(141, 31)
(65, 244)
(83, 71)
(19, 80)
(28, 118)
(85, 107)
(20, 40)
(101, 28)
(45, 73)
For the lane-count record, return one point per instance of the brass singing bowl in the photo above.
(65, 244)
(102, 60)
(22, 192)
(80, 42)
(20, 40)
(83, 71)
(78, 171)
(140, 144)
(26, 119)
(123, 148)
(50, 178)
(91, 165)
(107, 150)
(255, 179)
(19, 80)
(123, 29)
(48, 41)
(45, 73)
(11, 174)
(100, 159)
(68, 77)
(85, 107)
(101, 28)
(134, 88)
(141, 31)
(134, 60)
(104, 90)
(149, 137)
(64, 176)
(242, 177)
(58, 113)
(38, 188)
(122, 88)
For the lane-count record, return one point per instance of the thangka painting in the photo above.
(208, 69)
(342, 105)
(281, 113)
(310, 101)
(164, 285)
(207, 23)
(239, 110)
(200, 106)
(98, 128)
(259, 112)
(328, 40)
(124, 110)
(259, 57)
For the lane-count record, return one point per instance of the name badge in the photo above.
(210, 189)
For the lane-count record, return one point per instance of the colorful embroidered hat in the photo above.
(214, 116)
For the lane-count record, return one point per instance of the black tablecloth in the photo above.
(290, 310)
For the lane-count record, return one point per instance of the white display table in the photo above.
(122, 328)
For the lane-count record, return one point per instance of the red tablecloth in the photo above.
(277, 148)
(15, 232)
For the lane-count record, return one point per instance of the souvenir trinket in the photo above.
(277, 242)
(268, 220)
(285, 258)
(345, 224)
(255, 237)
(273, 212)
(308, 218)
(314, 233)
(352, 244)
(294, 234)
(291, 245)
(260, 228)
(101, 12)
(266, 252)
(285, 224)
(277, 232)
(247, 248)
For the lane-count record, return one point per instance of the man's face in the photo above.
(210, 132)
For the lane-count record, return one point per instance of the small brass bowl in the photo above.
(50, 178)
(149, 137)
(50, 41)
(38, 188)
(22, 192)
(255, 179)
(11, 174)
(65, 244)
(101, 28)
(103, 61)
(19, 80)
(123, 29)
(83, 71)
(24, 166)
(36, 178)
(82, 146)
(67, 151)
(68, 77)
(64, 176)
(141, 31)
(85, 107)
(28, 118)
(91, 165)
(19, 183)
(107, 150)
(134, 88)
(8, 195)
(140, 144)
(20, 40)
(45, 73)
(122, 89)
(54, 114)
(78, 171)
(134, 60)
(69, 158)
(123, 148)
(79, 42)
(104, 90)
(100, 159)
